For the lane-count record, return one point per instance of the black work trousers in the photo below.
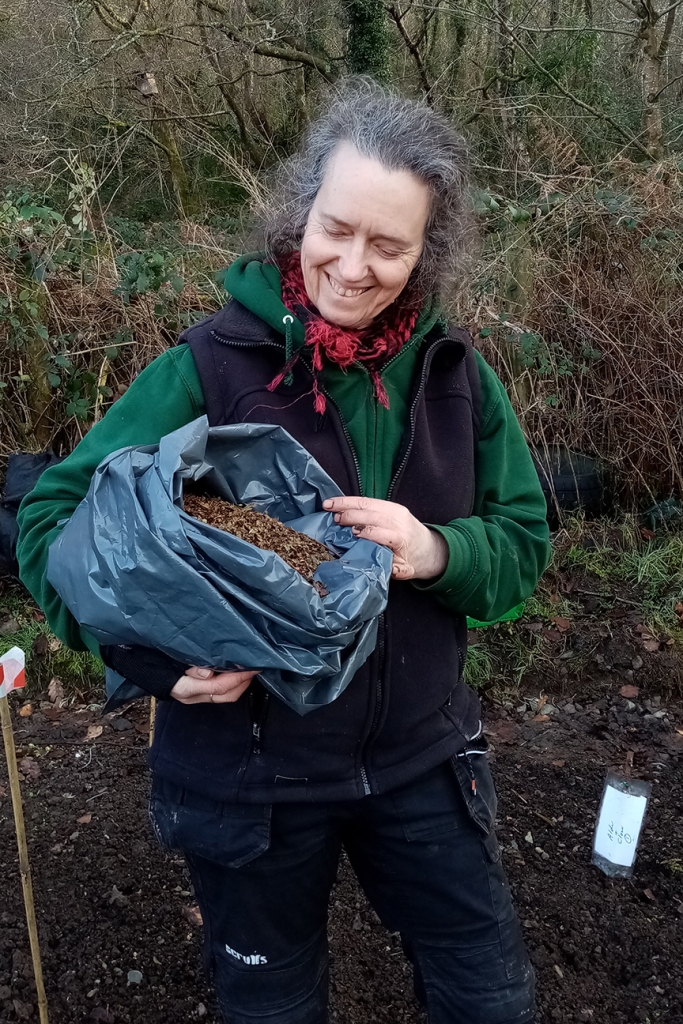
(426, 857)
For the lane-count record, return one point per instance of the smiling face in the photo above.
(363, 237)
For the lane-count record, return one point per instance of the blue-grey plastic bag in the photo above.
(134, 568)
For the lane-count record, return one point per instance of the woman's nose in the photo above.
(352, 262)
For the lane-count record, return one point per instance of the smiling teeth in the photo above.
(347, 293)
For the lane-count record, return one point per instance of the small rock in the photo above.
(529, 838)
(121, 724)
(118, 897)
(201, 1010)
(9, 626)
(100, 1013)
(193, 916)
(5, 992)
(630, 706)
(660, 714)
(629, 692)
(637, 663)
(586, 1014)
(569, 709)
(656, 701)
(134, 977)
(558, 971)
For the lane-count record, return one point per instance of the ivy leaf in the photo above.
(142, 283)
(485, 332)
(54, 380)
(177, 284)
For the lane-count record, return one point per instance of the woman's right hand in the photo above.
(204, 686)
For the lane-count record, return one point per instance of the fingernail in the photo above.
(327, 503)
(337, 518)
(205, 673)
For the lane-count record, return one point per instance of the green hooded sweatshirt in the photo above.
(495, 557)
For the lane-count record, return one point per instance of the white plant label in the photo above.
(12, 676)
(619, 823)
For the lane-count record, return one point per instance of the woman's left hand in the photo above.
(419, 553)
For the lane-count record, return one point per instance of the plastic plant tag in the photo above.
(620, 819)
(12, 676)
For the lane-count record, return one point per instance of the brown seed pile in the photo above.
(300, 552)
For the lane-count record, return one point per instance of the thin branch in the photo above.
(653, 99)
(269, 49)
(661, 14)
(397, 17)
(585, 28)
(666, 35)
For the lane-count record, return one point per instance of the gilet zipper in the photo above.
(381, 626)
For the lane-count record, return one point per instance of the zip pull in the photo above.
(288, 320)
(470, 769)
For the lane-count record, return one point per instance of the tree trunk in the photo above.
(651, 84)
(181, 183)
(368, 47)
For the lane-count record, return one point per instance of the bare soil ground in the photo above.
(110, 901)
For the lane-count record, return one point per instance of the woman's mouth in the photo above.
(345, 293)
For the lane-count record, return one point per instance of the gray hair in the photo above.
(401, 134)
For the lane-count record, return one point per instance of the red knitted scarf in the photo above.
(373, 345)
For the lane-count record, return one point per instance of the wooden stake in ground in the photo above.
(152, 719)
(12, 678)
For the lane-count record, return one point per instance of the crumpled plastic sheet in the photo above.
(134, 568)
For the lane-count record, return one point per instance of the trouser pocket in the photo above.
(227, 834)
(473, 776)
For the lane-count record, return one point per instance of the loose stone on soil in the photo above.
(296, 549)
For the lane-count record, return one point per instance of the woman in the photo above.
(339, 336)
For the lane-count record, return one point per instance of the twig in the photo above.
(608, 597)
(24, 868)
(96, 795)
(538, 814)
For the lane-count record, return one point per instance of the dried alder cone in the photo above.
(296, 549)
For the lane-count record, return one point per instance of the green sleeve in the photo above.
(497, 556)
(166, 395)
